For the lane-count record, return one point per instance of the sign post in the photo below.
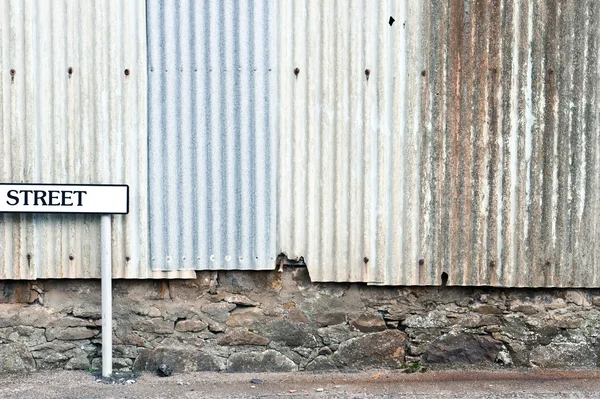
(105, 200)
(105, 242)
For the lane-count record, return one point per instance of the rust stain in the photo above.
(478, 176)
(452, 149)
(550, 94)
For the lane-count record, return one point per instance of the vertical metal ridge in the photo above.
(580, 267)
(354, 67)
(591, 148)
(506, 137)
(4, 119)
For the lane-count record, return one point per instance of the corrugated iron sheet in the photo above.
(212, 134)
(69, 113)
(389, 142)
(461, 139)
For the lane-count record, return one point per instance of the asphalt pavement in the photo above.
(366, 384)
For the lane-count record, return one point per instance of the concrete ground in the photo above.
(371, 384)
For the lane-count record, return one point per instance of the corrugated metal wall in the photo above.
(461, 139)
(70, 114)
(212, 134)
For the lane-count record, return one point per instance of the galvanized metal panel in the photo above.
(212, 134)
(70, 114)
(461, 139)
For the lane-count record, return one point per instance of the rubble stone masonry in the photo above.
(281, 321)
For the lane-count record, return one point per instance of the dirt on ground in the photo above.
(371, 384)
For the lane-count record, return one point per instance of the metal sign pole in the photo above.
(106, 244)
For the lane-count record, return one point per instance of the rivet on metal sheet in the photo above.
(212, 258)
(127, 72)
(168, 258)
(71, 256)
(183, 258)
(228, 258)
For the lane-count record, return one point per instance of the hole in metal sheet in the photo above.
(71, 256)
(127, 72)
(127, 258)
(183, 258)
(421, 262)
(70, 70)
(392, 20)
(444, 279)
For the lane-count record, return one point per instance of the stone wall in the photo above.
(272, 321)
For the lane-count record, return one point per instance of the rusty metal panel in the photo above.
(212, 114)
(461, 139)
(73, 110)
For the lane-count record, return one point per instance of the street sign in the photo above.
(105, 199)
(64, 198)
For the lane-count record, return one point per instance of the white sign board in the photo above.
(64, 198)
